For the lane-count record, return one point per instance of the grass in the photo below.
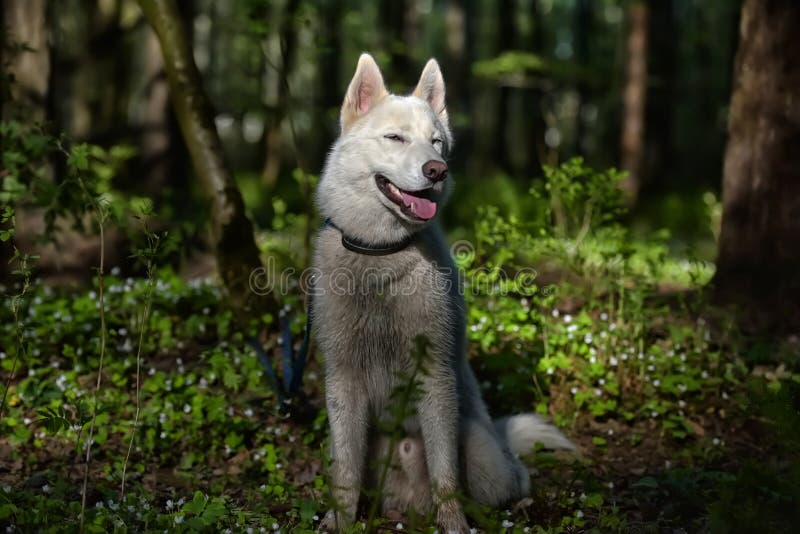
(684, 424)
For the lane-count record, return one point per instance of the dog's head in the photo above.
(386, 176)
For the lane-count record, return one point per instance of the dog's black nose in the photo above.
(434, 170)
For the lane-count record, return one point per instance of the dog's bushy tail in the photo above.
(524, 431)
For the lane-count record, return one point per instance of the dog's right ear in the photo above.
(365, 90)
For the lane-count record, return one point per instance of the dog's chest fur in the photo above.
(369, 309)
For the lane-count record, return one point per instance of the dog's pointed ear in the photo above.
(431, 89)
(365, 90)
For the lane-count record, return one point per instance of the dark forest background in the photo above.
(626, 219)
(529, 83)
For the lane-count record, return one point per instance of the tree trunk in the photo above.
(26, 21)
(634, 100)
(584, 24)
(273, 140)
(506, 40)
(232, 232)
(759, 255)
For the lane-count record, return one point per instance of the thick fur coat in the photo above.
(384, 181)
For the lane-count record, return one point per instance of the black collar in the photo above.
(359, 247)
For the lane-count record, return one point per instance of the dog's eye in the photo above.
(395, 137)
(436, 142)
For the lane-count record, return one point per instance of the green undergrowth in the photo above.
(683, 423)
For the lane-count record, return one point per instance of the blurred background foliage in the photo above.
(530, 82)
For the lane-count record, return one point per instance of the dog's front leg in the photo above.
(438, 417)
(348, 415)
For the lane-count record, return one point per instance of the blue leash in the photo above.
(293, 364)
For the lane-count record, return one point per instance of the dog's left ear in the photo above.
(431, 89)
(366, 89)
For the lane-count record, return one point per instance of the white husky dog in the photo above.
(383, 276)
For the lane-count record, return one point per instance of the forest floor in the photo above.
(211, 452)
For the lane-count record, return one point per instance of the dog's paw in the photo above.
(451, 519)
(328, 523)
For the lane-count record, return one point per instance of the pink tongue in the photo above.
(422, 207)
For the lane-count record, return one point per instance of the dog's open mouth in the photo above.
(414, 204)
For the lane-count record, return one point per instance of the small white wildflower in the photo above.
(604, 316)
(275, 526)
(399, 526)
(715, 441)
(46, 488)
(187, 408)
(573, 390)
(610, 431)
(592, 360)
(682, 403)
(550, 371)
(602, 381)
(598, 392)
(556, 313)
(612, 327)
(588, 338)
(315, 518)
(610, 485)
(656, 382)
(178, 519)
(248, 412)
(506, 523)
(568, 318)
(612, 361)
(654, 414)
(579, 514)
(704, 374)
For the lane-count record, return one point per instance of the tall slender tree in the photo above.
(232, 232)
(26, 21)
(634, 98)
(759, 250)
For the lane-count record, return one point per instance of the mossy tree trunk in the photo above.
(759, 251)
(232, 232)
